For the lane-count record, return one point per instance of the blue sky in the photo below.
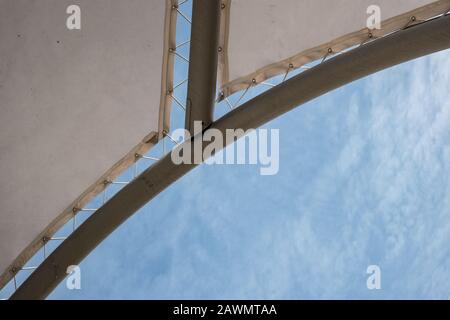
(364, 179)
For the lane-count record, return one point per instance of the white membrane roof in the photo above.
(74, 107)
(260, 38)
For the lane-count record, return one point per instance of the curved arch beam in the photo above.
(411, 43)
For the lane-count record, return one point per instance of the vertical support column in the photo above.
(203, 60)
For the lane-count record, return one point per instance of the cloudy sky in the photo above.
(364, 179)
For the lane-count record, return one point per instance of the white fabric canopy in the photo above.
(75, 106)
(261, 38)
